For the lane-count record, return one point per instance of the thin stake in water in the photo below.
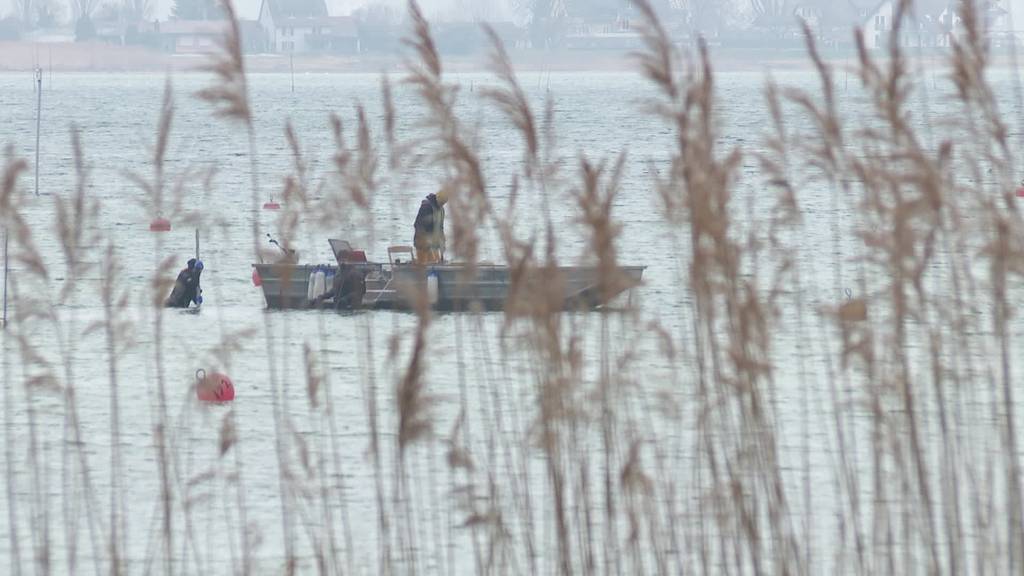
(39, 116)
(6, 267)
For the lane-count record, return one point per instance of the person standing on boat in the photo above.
(429, 235)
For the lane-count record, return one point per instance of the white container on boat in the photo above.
(319, 284)
(329, 279)
(433, 288)
(309, 286)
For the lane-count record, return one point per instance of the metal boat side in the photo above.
(459, 287)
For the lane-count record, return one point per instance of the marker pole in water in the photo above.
(4, 325)
(197, 243)
(39, 116)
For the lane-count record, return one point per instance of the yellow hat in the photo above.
(442, 196)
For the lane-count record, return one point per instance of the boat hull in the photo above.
(451, 287)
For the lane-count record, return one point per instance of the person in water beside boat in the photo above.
(348, 289)
(186, 287)
(428, 238)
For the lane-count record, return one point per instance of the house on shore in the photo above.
(611, 31)
(934, 24)
(191, 36)
(303, 26)
(205, 36)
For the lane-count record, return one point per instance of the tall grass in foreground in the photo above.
(605, 472)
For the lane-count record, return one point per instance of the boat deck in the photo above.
(453, 287)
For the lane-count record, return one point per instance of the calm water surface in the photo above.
(472, 361)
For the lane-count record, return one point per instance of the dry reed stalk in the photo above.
(12, 169)
(159, 284)
(823, 151)
(511, 101)
(732, 319)
(595, 199)
(912, 215)
(230, 96)
(911, 220)
(46, 304)
(466, 183)
(536, 294)
(359, 179)
(414, 422)
(75, 221)
(1004, 247)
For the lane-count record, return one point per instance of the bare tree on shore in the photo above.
(137, 10)
(83, 8)
(25, 10)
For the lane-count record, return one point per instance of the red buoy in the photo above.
(1020, 192)
(160, 224)
(256, 279)
(215, 387)
(271, 205)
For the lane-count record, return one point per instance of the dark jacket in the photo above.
(349, 287)
(429, 225)
(186, 289)
(192, 287)
(180, 295)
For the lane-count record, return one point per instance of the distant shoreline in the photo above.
(104, 58)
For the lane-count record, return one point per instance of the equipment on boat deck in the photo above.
(402, 283)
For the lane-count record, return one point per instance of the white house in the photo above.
(298, 26)
(998, 19)
(1015, 15)
(1010, 20)
(191, 36)
(878, 25)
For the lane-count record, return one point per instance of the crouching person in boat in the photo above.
(186, 287)
(429, 235)
(348, 290)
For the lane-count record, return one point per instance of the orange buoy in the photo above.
(215, 387)
(271, 205)
(160, 224)
(854, 311)
(256, 279)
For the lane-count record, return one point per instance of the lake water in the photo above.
(328, 494)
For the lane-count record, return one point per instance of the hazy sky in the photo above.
(436, 9)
